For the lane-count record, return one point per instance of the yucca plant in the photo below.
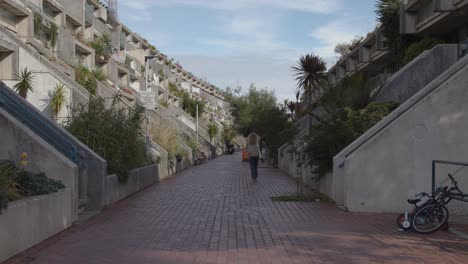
(102, 46)
(58, 99)
(310, 73)
(106, 38)
(25, 83)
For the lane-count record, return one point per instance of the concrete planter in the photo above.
(138, 179)
(30, 221)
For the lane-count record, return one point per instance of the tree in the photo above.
(258, 111)
(388, 15)
(246, 107)
(25, 83)
(310, 73)
(58, 99)
(345, 47)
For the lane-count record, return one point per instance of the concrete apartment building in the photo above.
(52, 39)
(25, 43)
(393, 160)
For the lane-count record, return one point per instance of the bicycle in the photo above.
(432, 214)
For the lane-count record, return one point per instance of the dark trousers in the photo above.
(254, 167)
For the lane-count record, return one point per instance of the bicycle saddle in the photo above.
(413, 201)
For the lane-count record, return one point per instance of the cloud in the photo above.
(338, 31)
(312, 6)
(246, 32)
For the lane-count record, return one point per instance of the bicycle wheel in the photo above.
(430, 218)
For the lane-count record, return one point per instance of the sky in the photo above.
(239, 42)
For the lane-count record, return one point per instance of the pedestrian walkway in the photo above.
(214, 213)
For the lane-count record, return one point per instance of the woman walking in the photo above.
(253, 149)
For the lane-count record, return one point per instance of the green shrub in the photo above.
(415, 49)
(37, 184)
(339, 127)
(190, 105)
(113, 133)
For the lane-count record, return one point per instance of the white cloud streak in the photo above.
(312, 6)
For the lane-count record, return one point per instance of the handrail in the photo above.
(435, 162)
(36, 122)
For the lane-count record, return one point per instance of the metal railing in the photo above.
(39, 124)
(444, 162)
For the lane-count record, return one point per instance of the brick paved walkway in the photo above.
(214, 214)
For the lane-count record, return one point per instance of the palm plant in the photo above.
(58, 99)
(290, 105)
(25, 83)
(310, 73)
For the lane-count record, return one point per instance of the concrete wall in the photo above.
(138, 179)
(417, 74)
(30, 221)
(16, 138)
(392, 161)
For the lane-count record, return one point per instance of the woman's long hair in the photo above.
(253, 139)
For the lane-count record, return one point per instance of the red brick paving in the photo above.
(214, 213)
